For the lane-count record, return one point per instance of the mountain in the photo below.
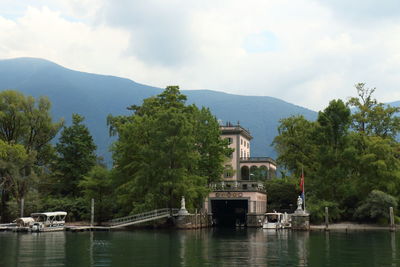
(96, 96)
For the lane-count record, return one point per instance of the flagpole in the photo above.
(304, 191)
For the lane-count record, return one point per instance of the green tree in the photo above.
(295, 145)
(27, 123)
(331, 179)
(165, 150)
(97, 184)
(345, 156)
(15, 175)
(282, 194)
(371, 117)
(75, 157)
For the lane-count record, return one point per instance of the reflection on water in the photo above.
(209, 247)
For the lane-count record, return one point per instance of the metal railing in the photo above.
(258, 159)
(145, 216)
(238, 186)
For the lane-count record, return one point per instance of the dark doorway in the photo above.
(229, 213)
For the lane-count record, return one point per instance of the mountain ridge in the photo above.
(96, 95)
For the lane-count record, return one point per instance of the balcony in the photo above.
(238, 186)
(257, 159)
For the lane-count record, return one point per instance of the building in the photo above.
(240, 199)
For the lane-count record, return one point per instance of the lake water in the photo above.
(207, 247)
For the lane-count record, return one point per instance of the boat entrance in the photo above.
(229, 213)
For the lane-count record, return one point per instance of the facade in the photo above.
(240, 199)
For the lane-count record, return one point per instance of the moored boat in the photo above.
(48, 221)
(276, 220)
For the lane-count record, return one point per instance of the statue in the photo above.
(183, 210)
(299, 203)
(183, 204)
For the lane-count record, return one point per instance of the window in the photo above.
(228, 172)
(229, 140)
(241, 141)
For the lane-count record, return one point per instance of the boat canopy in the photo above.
(49, 214)
(24, 221)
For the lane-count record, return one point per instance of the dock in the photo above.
(85, 228)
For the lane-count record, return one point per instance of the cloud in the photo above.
(261, 42)
(363, 11)
(46, 34)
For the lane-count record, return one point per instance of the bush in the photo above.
(316, 208)
(375, 208)
(77, 208)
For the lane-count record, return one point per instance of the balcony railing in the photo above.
(260, 159)
(238, 186)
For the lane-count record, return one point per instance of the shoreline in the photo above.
(349, 226)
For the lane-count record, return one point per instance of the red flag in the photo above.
(302, 182)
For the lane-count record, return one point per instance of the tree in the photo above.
(25, 126)
(345, 156)
(371, 117)
(294, 144)
(165, 150)
(28, 122)
(15, 177)
(282, 193)
(75, 157)
(97, 185)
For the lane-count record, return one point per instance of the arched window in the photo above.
(263, 170)
(253, 173)
(245, 174)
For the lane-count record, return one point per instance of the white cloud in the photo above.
(306, 52)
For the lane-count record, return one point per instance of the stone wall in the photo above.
(300, 221)
(193, 221)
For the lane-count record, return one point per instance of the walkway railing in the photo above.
(142, 217)
(257, 159)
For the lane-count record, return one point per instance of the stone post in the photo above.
(392, 225)
(326, 219)
(22, 207)
(92, 213)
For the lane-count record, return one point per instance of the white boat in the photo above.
(276, 220)
(48, 221)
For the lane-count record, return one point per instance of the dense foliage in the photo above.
(345, 155)
(75, 157)
(26, 129)
(165, 150)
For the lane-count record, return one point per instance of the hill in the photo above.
(95, 96)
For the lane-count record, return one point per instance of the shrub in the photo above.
(375, 208)
(316, 208)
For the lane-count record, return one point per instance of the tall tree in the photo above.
(294, 144)
(160, 154)
(27, 123)
(75, 157)
(371, 117)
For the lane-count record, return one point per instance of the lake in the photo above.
(207, 247)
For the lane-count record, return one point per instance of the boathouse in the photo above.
(240, 198)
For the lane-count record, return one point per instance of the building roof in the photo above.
(235, 129)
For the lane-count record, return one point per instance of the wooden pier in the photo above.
(86, 228)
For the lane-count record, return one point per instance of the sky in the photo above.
(306, 52)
